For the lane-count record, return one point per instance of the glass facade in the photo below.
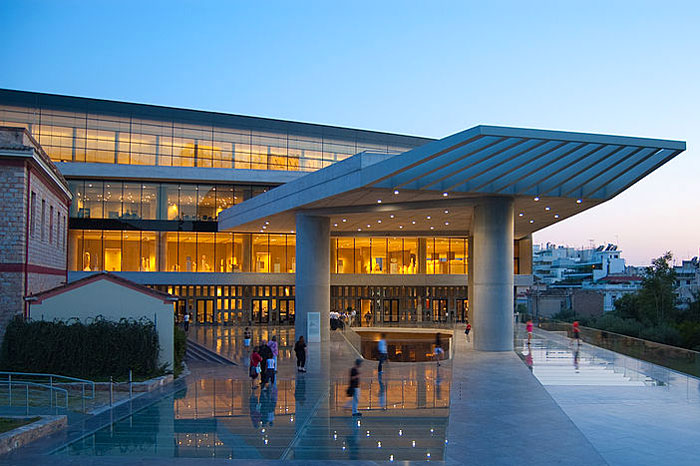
(126, 200)
(86, 130)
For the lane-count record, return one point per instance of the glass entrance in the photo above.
(439, 310)
(261, 311)
(205, 311)
(462, 309)
(366, 312)
(391, 310)
(286, 311)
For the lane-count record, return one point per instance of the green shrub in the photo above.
(180, 343)
(95, 350)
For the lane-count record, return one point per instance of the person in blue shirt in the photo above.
(383, 352)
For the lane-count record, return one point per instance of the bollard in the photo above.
(131, 393)
(110, 390)
(83, 388)
(27, 389)
(51, 392)
(9, 384)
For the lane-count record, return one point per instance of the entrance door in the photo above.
(261, 311)
(366, 312)
(286, 311)
(439, 310)
(391, 310)
(205, 311)
(462, 309)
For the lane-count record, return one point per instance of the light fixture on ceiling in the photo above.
(379, 201)
(432, 228)
(521, 214)
(369, 226)
(556, 215)
(379, 221)
(400, 226)
(267, 222)
(444, 194)
(447, 211)
(578, 201)
(532, 221)
(396, 191)
(391, 216)
(547, 208)
(345, 220)
(413, 222)
(447, 223)
(428, 217)
(335, 224)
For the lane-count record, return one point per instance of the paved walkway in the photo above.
(501, 414)
(551, 405)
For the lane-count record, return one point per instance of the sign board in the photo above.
(313, 327)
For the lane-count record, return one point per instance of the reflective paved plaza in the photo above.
(550, 403)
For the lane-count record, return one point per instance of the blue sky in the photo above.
(422, 68)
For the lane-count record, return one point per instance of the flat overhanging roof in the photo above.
(431, 190)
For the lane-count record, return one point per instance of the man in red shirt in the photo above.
(577, 331)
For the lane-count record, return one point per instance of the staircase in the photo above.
(197, 352)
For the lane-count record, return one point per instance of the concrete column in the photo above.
(492, 297)
(313, 279)
(470, 276)
(422, 246)
(248, 260)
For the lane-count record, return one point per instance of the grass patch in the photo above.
(8, 424)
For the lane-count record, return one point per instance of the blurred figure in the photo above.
(354, 388)
(247, 336)
(382, 393)
(383, 350)
(300, 351)
(438, 352)
(528, 328)
(528, 359)
(468, 330)
(577, 331)
(576, 360)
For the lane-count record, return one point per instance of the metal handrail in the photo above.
(50, 388)
(52, 379)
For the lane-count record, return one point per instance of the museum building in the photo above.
(205, 205)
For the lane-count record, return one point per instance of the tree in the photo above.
(657, 298)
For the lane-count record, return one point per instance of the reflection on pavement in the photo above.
(218, 415)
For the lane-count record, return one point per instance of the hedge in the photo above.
(95, 350)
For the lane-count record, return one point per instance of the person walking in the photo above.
(383, 352)
(247, 335)
(270, 369)
(272, 344)
(300, 351)
(577, 332)
(354, 387)
(265, 353)
(528, 328)
(187, 321)
(438, 348)
(468, 330)
(254, 367)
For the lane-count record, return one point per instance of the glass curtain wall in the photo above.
(74, 136)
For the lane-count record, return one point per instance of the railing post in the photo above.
(110, 390)
(51, 391)
(83, 397)
(10, 388)
(27, 395)
(131, 393)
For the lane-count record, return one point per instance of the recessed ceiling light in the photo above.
(369, 226)
(267, 222)
(396, 191)
(428, 217)
(292, 231)
(335, 224)
(578, 201)
(444, 194)
(391, 216)
(447, 211)
(447, 223)
(345, 220)
(537, 198)
(379, 201)
(400, 226)
(521, 214)
(432, 228)
(556, 215)
(532, 221)
(413, 222)
(379, 221)
(546, 208)
(359, 229)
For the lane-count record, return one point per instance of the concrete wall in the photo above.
(113, 302)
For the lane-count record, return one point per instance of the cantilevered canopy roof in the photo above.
(431, 190)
